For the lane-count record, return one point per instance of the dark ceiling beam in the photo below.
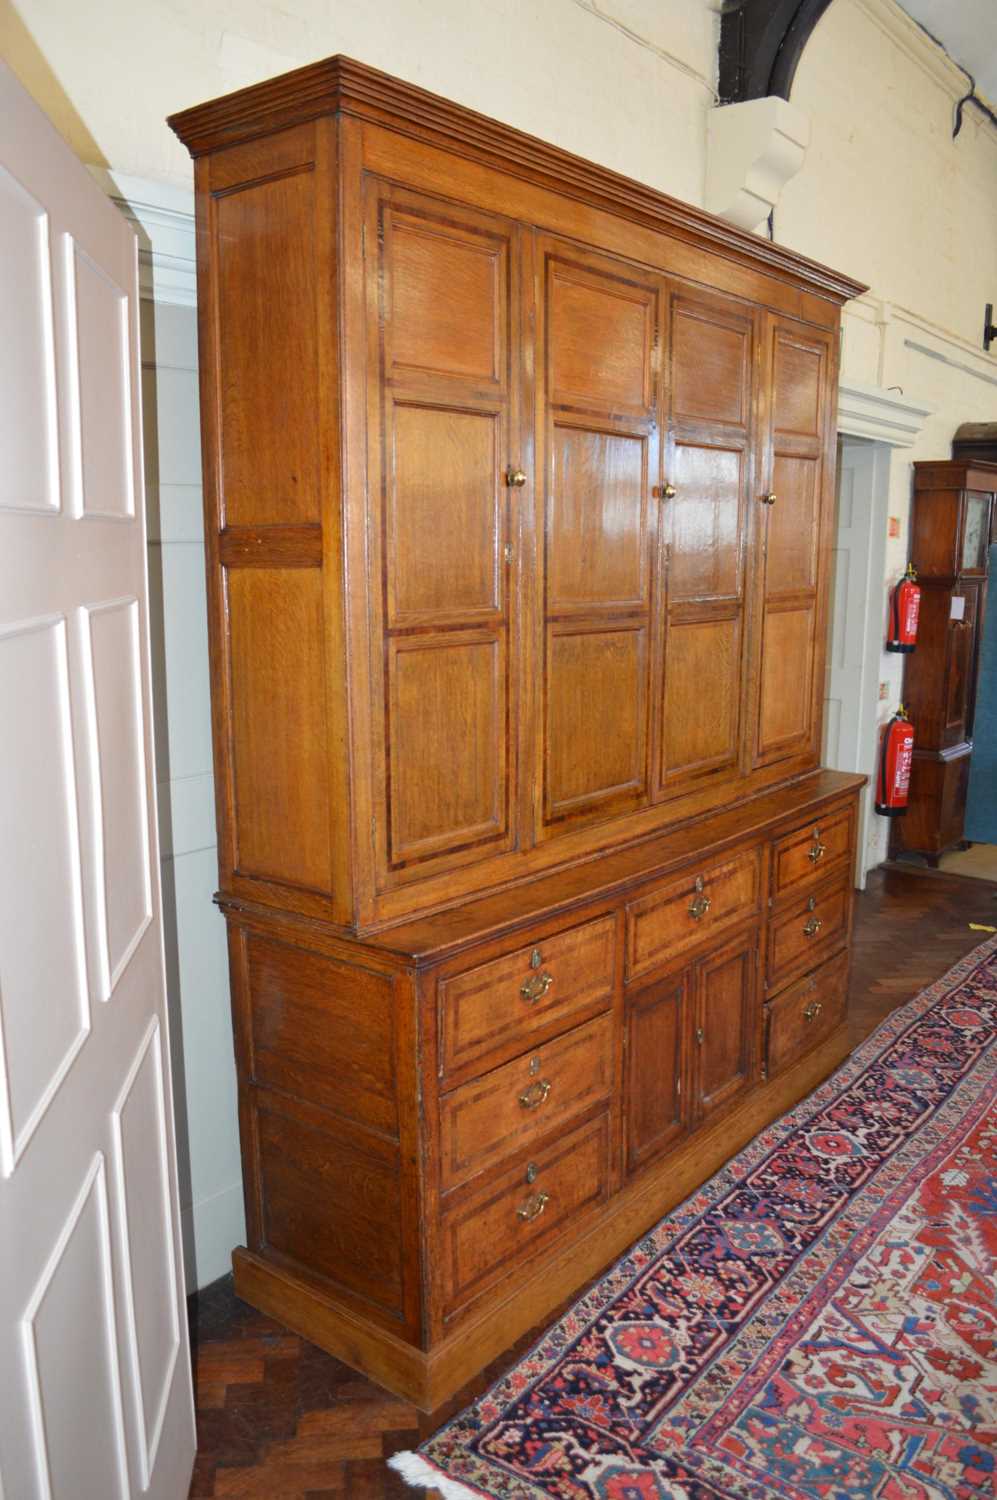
(761, 42)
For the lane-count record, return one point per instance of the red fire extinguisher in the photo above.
(894, 766)
(904, 610)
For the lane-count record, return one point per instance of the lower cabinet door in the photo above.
(657, 1027)
(726, 1026)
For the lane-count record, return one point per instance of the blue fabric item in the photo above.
(981, 801)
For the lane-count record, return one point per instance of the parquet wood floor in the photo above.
(280, 1420)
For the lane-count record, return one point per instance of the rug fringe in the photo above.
(425, 1476)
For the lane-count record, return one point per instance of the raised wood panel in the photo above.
(793, 537)
(786, 709)
(958, 681)
(797, 394)
(447, 742)
(727, 1039)
(265, 285)
(710, 362)
(596, 718)
(306, 1036)
(329, 1202)
(446, 288)
(444, 463)
(597, 553)
(601, 330)
(279, 729)
(657, 1025)
(701, 713)
(705, 523)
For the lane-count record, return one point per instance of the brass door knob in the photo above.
(769, 499)
(515, 478)
(668, 492)
(700, 1036)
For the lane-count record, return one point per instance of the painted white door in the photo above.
(851, 679)
(94, 1364)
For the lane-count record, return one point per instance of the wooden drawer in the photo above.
(503, 1112)
(808, 931)
(700, 903)
(812, 853)
(805, 1014)
(521, 1210)
(495, 1011)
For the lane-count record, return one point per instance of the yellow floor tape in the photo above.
(979, 927)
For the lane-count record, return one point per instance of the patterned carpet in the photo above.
(819, 1320)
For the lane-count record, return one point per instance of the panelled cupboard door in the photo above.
(598, 343)
(792, 499)
(443, 445)
(726, 1026)
(704, 510)
(94, 1363)
(656, 1113)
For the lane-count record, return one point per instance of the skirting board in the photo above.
(430, 1379)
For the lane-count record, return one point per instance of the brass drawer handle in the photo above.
(813, 1010)
(533, 1207)
(699, 907)
(536, 986)
(814, 925)
(534, 1096)
(817, 852)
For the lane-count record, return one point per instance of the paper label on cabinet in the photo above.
(958, 608)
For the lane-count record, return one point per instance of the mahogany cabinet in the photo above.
(950, 535)
(517, 481)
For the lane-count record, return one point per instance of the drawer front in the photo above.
(689, 910)
(805, 1014)
(520, 1102)
(522, 1210)
(493, 1012)
(808, 931)
(812, 853)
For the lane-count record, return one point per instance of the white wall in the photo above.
(196, 962)
(626, 82)
(889, 197)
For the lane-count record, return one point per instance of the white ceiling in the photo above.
(967, 29)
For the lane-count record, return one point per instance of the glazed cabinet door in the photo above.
(793, 504)
(726, 1026)
(700, 657)
(443, 436)
(597, 463)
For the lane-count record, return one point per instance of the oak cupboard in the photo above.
(517, 484)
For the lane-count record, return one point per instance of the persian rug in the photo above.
(818, 1320)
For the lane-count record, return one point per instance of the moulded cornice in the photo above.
(869, 411)
(341, 86)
